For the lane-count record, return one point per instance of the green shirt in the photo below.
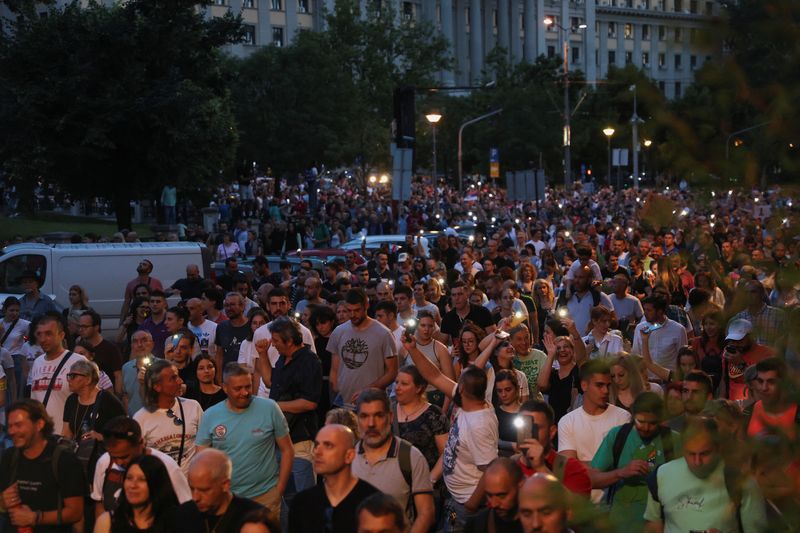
(530, 365)
(693, 504)
(630, 495)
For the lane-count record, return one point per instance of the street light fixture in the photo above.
(433, 118)
(550, 21)
(647, 144)
(609, 132)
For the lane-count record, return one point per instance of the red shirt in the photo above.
(762, 422)
(733, 372)
(576, 476)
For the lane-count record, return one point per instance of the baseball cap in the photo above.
(402, 258)
(738, 328)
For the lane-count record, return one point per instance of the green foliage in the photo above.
(118, 101)
(328, 96)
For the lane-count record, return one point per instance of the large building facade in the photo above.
(659, 36)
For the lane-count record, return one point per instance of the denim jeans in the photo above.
(302, 477)
(455, 516)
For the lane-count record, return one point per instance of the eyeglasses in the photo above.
(73, 375)
(176, 419)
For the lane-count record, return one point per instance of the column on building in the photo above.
(461, 43)
(503, 26)
(541, 37)
(235, 8)
(637, 45)
(475, 41)
(531, 29)
(654, 51)
(264, 30)
(446, 8)
(590, 40)
(620, 45)
(489, 39)
(516, 30)
(603, 38)
(669, 56)
(686, 75)
(291, 19)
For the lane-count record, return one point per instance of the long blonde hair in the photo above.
(635, 382)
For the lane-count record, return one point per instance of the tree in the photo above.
(119, 101)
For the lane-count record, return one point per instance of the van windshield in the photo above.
(13, 267)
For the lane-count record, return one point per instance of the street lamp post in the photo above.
(647, 144)
(433, 118)
(567, 133)
(460, 136)
(608, 132)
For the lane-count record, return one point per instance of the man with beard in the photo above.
(501, 482)
(380, 457)
(363, 353)
(741, 351)
(143, 277)
(698, 492)
(544, 505)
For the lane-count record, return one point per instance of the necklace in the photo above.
(419, 409)
(75, 426)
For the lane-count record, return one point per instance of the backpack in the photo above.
(733, 484)
(62, 446)
(619, 443)
(404, 461)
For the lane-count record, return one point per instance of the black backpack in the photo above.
(619, 443)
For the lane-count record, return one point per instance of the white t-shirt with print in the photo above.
(206, 334)
(160, 431)
(179, 483)
(39, 378)
(472, 442)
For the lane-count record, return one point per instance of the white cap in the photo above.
(402, 258)
(738, 329)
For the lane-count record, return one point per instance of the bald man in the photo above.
(543, 505)
(331, 506)
(501, 483)
(204, 330)
(189, 287)
(213, 507)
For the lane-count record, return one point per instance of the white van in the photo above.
(103, 270)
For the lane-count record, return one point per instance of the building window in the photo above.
(554, 25)
(612, 57)
(678, 64)
(494, 18)
(551, 51)
(574, 23)
(277, 36)
(612, 29)
(408, 11)
(678, 6)
(692, 35)
(249, 35)
(693, 6)
(662, 87)
(661, 6)
(277, 5)
(628, 28)
(693, 62)
(709, 8)
(251, 4)
(678, 89)
(662, 33)
(220, 2)
(645, 59)
(628, 58)
(576, 54)
(597, 58)
(678, 35)
(645, 31)
(662, 60)
(302, 6)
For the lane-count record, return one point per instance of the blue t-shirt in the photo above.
(130, 382)
(248, 438)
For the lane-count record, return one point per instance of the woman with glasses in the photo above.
(139, 311)
(147, 503)
(86, 412)
(86, 349)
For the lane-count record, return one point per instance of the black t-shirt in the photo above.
(190, 288)
(480, 523)
(505, 422)
(301, 378)
(478, 315)
(205, 400)
(308, 510)
(107, 408)
(230, 337)
(39, 489)
(191, 519)
(560, 393)
(108, 358)
(189, 374)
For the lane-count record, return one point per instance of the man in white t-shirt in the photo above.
(386, 314)
(50, 337)
(473, 438)
(169, 423)
(123, 441)
(667, 336)
(205, 330)
(580, 432)
(278, 302)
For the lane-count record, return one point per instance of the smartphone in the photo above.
(176, 340)
(411, 326)
(526, 428)
(502, 334)
(652, 327)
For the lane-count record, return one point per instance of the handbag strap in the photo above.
(183, 432)
(95, 408)
(8, 332)
(53, 379)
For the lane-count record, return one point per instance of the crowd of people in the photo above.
(604, 361)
